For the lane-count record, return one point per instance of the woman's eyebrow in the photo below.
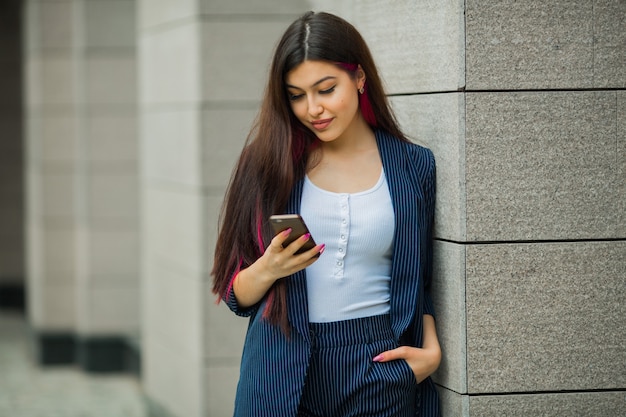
(330, 77)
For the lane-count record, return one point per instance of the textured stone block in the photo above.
(59, 254)
(171, 145)
(418, 46)
(230, 49)
(224, 132)
(621, 137)
(543, 166)
(113, 255)
(109, 310)
(109, 23)
(113, 195)
(529, 45)
(172, 307)
(438, 122)
(170, 70)
(174, 228)
(50, 80)
(111, 138)
(111, 79)
(56, 305)
(609, 61)
(448, 292)
(452, 403)
(546, 317)
(58, 195)
(50, 23)
(55, 141)
(588, 404)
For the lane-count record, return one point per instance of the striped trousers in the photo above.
(342, 379)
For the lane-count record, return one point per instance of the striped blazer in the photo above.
(273, 367)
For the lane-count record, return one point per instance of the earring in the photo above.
(361, 90)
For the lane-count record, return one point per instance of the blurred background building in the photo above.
(120, 122)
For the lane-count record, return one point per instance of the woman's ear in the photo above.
(360, 77)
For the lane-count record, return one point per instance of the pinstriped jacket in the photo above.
(273, 367)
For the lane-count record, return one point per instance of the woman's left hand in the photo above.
(423, 361)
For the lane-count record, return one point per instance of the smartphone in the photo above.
(282, 222)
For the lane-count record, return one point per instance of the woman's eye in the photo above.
(295, 97)
(328, 91)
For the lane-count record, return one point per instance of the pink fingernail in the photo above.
(378, 358)
(286, 232)
(307, 236)
(322, 248)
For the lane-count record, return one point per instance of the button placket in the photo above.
(344, 206)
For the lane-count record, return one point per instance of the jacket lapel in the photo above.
(297, 302)
(406, 197)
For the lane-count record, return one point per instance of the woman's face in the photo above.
(325, 98)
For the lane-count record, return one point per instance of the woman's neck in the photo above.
(359, 138)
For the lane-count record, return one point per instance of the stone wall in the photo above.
(522, 104)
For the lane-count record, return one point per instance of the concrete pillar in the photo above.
(11, 158)
(522, 104)
(82, 217)
(51, 171)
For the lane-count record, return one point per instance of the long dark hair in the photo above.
(277, 149)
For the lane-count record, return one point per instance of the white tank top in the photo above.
(351, 279)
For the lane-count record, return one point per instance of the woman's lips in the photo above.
(321, 124)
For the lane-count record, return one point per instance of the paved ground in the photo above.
(27, 390)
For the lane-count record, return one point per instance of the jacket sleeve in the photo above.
(424, 173)
(429, 188)
(231, 301)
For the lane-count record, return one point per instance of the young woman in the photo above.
(345, 328)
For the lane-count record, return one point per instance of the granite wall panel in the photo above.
(226, 130)
(175, 215)
(609, 56)
(448, 292)
(228, 45)
(620, 153)
(170, 145)
(418, 46)
(588, 404)
(529, 45)
(170, 65)
(543, 166)
(453, 404)
(437, 121)
(545, 45)
(546, 317)
(109, 24)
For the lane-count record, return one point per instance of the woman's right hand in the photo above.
(278, 262)
(251, 284)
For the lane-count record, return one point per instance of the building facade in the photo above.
(117, 150)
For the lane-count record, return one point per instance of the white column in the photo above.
(82, 175)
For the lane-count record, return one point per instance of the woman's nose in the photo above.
(315, 108)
